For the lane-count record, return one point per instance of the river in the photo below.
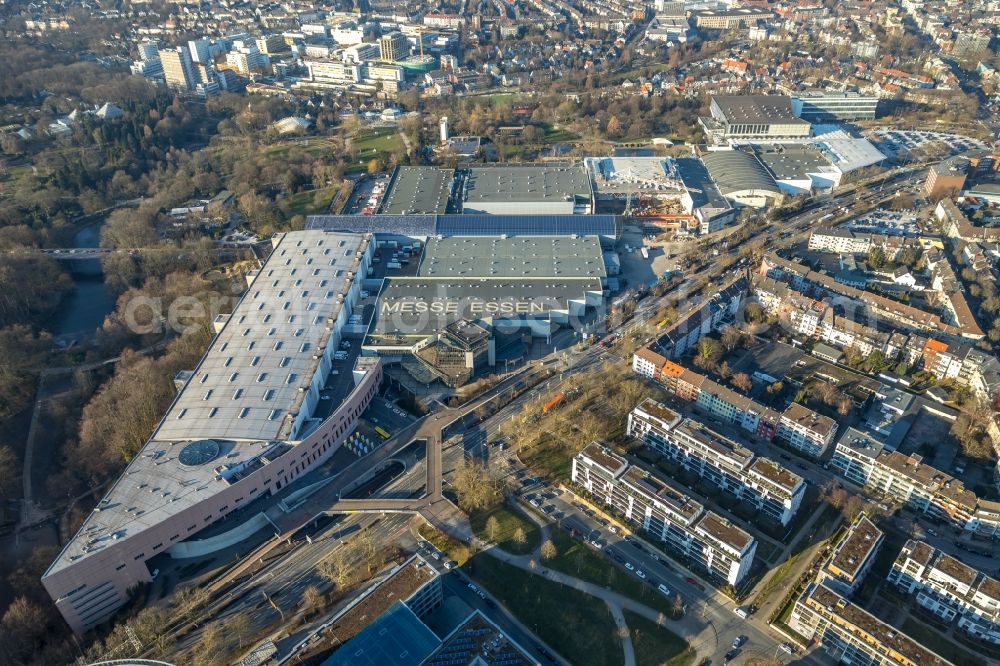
(83, 309)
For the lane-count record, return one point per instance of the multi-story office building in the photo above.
(852, 635)
(823, 107)
(946, 179)
(178, 70)
(951, 590)
(744, 117)
(270, 44)
(394, 47)
(331, 72)
(775, 491)
(247, 422)
(852, 558)
(669, 516)
(863, 460)
(730, 19)
(200, 51)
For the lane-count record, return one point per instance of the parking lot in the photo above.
(890, 223)
(912, 143)
(363, 193)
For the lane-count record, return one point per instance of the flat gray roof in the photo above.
(417, 190)
(248, 383)
(418, 306)
(518, 256)
(757, 109)
(526, 183)
(699, 184)
(792, 161)
(306, 270)
(735, 171)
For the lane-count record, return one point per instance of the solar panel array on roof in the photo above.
(405, 225)
(395, 638)
(471, 225)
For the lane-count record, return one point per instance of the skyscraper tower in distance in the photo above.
(178, 70)
(394, 47)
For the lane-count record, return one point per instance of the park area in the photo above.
(578, 626)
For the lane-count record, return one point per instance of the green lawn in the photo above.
(576, 625)
(313, 202)
(550, 458)
(924, 634)
(581, 561)
(382, 139)
(655, 645)
(508, 520)
(561, 135)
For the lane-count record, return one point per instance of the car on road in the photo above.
(472, 586)
(491, 603)
(788, 648)
(741, 612)
(732, 654)
(738, 641)
(630, 566)
(690, 581)
(617, 558)
(640, 573)
(664, 589)
(612, 529)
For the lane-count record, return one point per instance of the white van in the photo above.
(741, 612)
(663, 588)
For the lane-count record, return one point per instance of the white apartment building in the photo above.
(953, 591)
(863, 460)
(666, 514)
(839, 242)
(852, 635)
(805, 430)
(852, 558)
(771, 488)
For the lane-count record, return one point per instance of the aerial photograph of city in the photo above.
(499, 332)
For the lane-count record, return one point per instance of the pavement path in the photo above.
(699, 636)
(694, 632)
(623, 633)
